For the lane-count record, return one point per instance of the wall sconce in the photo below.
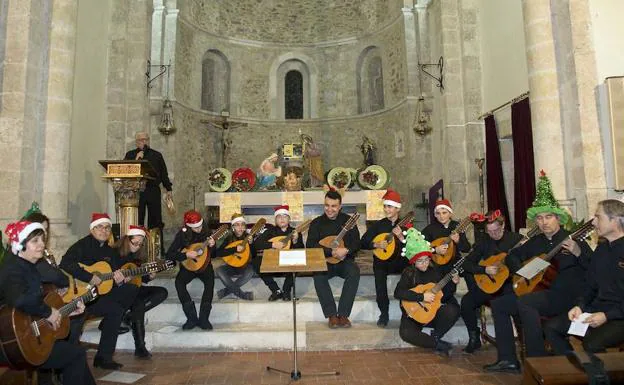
(422, 120)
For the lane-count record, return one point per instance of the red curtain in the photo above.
(494, 170)
(524, 167)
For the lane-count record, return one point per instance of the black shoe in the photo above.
(277, 294)
(286, 296)
(138, 333)
(204, 314)
(191, 315)
(382, 322)
(106, 364)
(206, 325)
(474, 341)
(442, 347)
(503, 366)
(189, 324)
(141, 352)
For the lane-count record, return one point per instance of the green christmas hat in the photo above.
(545, 201)
(34, 208)
(416, 246)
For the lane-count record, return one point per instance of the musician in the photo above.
(393, 265)
(563, 291)
(20, 288)
(130, 249)
(227, 272)
(421, 271)
(193, 232)
(330, 224)
(89, 250)
(603, 297)
(282, 228)
(443, 227)
(498, 240)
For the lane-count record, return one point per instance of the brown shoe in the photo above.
(333, 322)
(343, 322)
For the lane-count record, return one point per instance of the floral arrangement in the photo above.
(241, 184)
(216, 178)
(340, 179)
(370, 177)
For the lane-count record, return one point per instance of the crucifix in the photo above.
(222, 123)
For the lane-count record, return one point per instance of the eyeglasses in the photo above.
(136, 244)
(102, 228)
(422, 261)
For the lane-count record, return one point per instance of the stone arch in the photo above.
(280, 67)
(370, 87)
(215, 81)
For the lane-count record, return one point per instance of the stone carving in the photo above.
(314, 161)
(368, 150)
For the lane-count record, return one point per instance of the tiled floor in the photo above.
(402, 366)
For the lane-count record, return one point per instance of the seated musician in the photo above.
(498, 240)
(559, 298)
(421, 271)
(225, 272)
(282, 228)
(395, 263)
(442, 227)
(130, 249)
(89, 250)
(604, 294)
(193, 231)
(20, 288)
(330, 224)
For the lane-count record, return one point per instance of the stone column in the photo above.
(545, 96)
(169, 43)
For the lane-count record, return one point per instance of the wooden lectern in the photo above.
(314, 261)
(128, 178)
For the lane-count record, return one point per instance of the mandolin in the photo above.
(388, 251)
(242, 258)
(544, 278)
(27, 341)
(492, 283)
(424, 312)
(336, 241)
(286, 240)
(443, 259)
(203, 251)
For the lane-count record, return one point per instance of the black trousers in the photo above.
(112, 307)
(530, 308)
(474, 299)
(268, 279)
(150, 199)
(347, 270)
(411, 332)
(184, 277)
(381, 269)
(596, 340)
(147, 298)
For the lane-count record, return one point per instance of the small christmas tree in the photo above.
(545, 201)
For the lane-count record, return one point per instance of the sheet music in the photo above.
(532, 268)
(577, 327)
(292, 257)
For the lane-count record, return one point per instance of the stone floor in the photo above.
(411, 366)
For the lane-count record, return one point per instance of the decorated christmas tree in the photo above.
(545, 201)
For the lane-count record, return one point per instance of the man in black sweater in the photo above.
(330, 224)
(603, 298)
(150, 197)
(395, 263)
(112, 306)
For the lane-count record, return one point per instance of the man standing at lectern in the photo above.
(150, 197)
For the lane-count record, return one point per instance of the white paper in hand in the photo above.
(532, 268)
(577, 327)
(292, 257)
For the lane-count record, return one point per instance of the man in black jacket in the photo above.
(603, 298)
(330, 224)
(112, 306)
(150, 197)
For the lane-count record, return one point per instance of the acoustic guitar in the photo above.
(103, 270)
(26, 340)
(492, 283)
(203, 251)
(242, 258)
(137, 272)
(543, 279)
(336, 241)
(387, 252)
(286, 240)
(424, 312)
(443, 259)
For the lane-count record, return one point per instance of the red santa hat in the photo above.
(392, 198)
(443, 204)
(281, 210)
(193, 219)
(237, 217)
(136, 230)
(18, 231)
(98, 219)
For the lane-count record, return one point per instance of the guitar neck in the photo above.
(579, 233)
(447, 278)
(401, 223)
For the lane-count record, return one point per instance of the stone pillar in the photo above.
(169, 43)
(544, 94)
(410, 21)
